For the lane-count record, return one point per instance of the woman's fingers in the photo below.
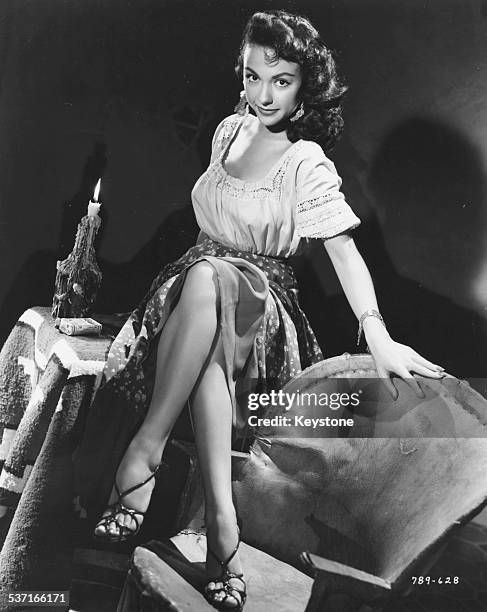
(409, 379)
(389, 385)
(420, 367)
(391, 388)
(402, 360)
(426, 371)
(405, 375)
(420, 360)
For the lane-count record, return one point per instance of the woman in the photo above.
(227, 310)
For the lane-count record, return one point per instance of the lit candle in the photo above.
(94, 205)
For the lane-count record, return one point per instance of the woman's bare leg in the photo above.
(183, 350)
(211, 410)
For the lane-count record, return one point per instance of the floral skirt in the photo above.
(266, 340)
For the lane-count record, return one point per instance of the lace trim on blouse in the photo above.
(325, 216)
(270, 185)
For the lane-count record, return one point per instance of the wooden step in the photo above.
(170, 576)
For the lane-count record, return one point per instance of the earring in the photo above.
(298, 114)
(242, 107)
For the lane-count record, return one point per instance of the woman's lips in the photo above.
(267, 111)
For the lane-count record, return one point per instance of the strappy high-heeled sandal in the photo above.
(218, 596)
(117, 508)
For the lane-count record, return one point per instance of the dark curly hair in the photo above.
(294, 39)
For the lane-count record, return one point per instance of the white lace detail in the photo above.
(325, 216)
(317, 202)
(226, 132)
(269, 186)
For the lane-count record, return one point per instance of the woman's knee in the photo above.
(200, 289)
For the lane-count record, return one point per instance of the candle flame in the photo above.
(97, 191)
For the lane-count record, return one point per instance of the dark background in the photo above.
(132, 90)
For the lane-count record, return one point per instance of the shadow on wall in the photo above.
(429, 189)
(124, 284)
(424, 246)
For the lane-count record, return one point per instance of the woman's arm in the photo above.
(390, 356)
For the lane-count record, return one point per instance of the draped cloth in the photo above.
(266, 340)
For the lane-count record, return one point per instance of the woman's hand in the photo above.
(394, 358)
(390, 357)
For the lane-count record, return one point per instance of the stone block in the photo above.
(170, 576)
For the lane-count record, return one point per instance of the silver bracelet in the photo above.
(368, 313)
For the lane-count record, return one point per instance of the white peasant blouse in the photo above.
(299, 198)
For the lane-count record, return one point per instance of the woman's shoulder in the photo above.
(312, 150)
(225, 129)
(311, 156)
(228, 124)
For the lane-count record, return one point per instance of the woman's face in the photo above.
(271, 85)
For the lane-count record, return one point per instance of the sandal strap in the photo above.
(117, 507)
(229, 590)
(124, 531)
(131, 512)
(227, 576)
(136, 486)
(237, 592)
(120, 509)
(221, 562)
(230, 575)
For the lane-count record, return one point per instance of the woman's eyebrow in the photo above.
(274, 76)
(281, 74)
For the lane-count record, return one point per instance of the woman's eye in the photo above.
(282, 82)
(251, 77)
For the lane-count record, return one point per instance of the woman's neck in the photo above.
(271, 134)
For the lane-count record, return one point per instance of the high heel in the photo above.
(117, 508)
(219, 596)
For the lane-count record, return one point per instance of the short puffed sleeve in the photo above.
(321, 211)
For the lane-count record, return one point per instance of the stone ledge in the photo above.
(170, 576)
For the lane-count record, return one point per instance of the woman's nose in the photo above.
(265, 96)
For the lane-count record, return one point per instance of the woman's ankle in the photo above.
(222, 539)
(146, 449)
